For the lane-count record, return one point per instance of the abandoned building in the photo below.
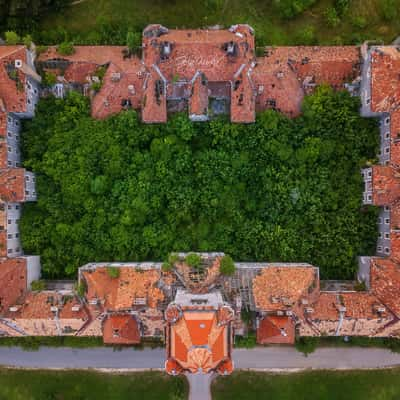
(197, 312)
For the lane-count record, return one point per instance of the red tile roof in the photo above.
(121, 293)
(282, 287)
(274, 329)
(385, 283)
(13, 98)
(385, 185)
(385, 83)
(13, 278)
(121, 329)
(12, 185)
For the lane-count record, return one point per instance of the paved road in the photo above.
(259, 358)
(335, 358)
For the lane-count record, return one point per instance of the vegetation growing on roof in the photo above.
(279, 190)
(193, 260)
(12, 38)
(38, 285)
(227, 266)
(113, 272)
(66, 48)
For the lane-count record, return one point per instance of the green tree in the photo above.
(12, 38)
(227, 266)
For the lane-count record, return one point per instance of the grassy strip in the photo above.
(34, 342)
(84, 385)
(316, 385)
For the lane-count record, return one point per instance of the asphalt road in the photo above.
(259, 358)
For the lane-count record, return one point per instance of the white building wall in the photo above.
(13, 141)
(33, 269)
(30, 186)
(13, 240)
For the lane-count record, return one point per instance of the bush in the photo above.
(173, 258)
(12, 38)
(193, 260)
(113, 272)
(96, 86)
(359, 22)
(388, 9)
(306, 345)
(360, 286)
(38, 285)
(166, 266)
(247, 342)
(49, 79)
(342, 6)
(291, 8)
(227, 266)
(66, 49)
(306, 36)
(331, 17)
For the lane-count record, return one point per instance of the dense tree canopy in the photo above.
(275, 190)
(21, 14)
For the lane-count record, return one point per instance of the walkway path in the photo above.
(260, 358)
(200, 386)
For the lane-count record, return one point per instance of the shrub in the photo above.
(81, 288)
(331, 17)
(306, 36)
(247, 342)
(342, 6)
(291, 8)
(66, 49)
(306, 345)
(173, 258)
(166, 266)
(359, 22)
(388, 9)
(360, 286)
(38, 285)
(227, 266)
(12, 37)
(49, 79)
(113, 272)
(133, 41)
(96, 86)
(193, 260)
(27, 40)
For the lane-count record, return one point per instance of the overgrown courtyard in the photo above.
(276, 190)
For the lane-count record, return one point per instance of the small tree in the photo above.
(193, 260)
(12, 37)
(227, 266)
(173, 258)
(27, 40)
(81, 288)
(113, 272)
(66, 49)
(132, 41)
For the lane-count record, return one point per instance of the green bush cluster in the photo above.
(277, 190)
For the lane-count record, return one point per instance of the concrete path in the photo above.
(200, 386)
(259, 358)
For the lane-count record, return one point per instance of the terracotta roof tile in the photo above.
(281, 288)
(274, 329)
(121, 329)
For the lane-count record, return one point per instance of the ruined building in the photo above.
(196, 310)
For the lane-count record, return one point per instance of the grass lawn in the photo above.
(315, 385)
(363, 20)
(84, 385)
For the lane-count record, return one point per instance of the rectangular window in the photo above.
(9, 222)
(27, 178)
(387, 235)
(17, 207)
(9, 206)
(9, 163)
(387, 150)
(17, 235)
(379, 249)
(387, 221)
(387, 121)
(9, 251)
(9, 149)
(27, 192)
(386, 208)
(387, 135)
(387, 250)
(9, 236)
(9, 134)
